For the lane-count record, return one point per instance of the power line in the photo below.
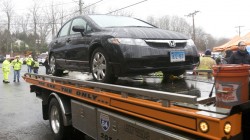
(92, 4)
(126, 7)
(59, 17)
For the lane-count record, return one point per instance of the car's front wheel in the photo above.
(166, 75)
(100, 67)
(53, 67)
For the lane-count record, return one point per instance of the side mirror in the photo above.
(80, 29)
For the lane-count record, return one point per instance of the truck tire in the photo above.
(56, 121)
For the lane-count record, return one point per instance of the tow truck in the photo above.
(114, 112)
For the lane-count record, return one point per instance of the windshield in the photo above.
(117, 21)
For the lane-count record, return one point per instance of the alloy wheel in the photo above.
(52, 64)
(55, 122)
(99, 65)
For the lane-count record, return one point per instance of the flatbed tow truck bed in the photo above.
(107, 111)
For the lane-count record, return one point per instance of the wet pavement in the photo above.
(21, 112)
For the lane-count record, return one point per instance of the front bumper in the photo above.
(131, 59)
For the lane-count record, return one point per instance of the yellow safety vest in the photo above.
(6, 66)
(36, 65)
(29, 61)
(17, 65)
(206, 63)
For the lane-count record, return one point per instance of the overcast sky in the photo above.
(219, 18)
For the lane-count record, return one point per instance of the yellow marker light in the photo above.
(227, 128)
(204, 126)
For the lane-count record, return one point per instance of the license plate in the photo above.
(177, 56)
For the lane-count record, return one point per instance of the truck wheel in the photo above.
(100, 67)
(53, 67)
(56, 121)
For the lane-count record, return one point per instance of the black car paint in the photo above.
(73, 52)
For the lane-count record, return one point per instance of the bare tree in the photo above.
(173, 23)
(16, 28)
(179, 24)
(35, 15)
(24, 21)
(43, 30)
(53, 21)
(152, 20)
(8, 9)
(201, 39)
(56, 17)
(61, 15)
(89, 10)
(164, 22)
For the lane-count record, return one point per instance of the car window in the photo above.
(79, 22)
(64, 30)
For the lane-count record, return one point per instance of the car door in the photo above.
(60, 45)
(77, 53)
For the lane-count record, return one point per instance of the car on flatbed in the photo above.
(113, 46)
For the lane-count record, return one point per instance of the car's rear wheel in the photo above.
(53, 67)
(100, 67)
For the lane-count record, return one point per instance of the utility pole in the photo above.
(239, 29)
(80, 6)
(192, 15)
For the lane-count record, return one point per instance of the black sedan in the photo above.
(112, 46)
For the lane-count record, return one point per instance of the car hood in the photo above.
(145, 33)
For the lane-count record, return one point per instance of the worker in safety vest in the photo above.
(6, 69)
(35, 66)
(206, 63)
(29, 61)
(17, 65)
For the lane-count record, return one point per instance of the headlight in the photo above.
(204, 126)
(190, 42)
(127, 41)
(227, 128)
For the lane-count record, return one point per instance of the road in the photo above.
(21, 112)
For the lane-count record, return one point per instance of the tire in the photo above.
(178, 72)
(100, 68)
(53, 67)
(166, 75)
(56, 121)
